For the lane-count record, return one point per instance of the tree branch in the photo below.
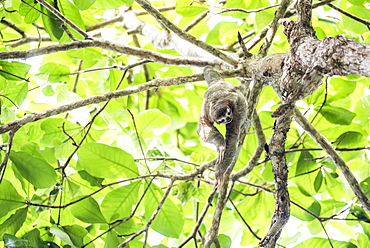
(63, 18)
(280, 169)
(104, 44)
(164, 21)
(339, 162)
(151, 219)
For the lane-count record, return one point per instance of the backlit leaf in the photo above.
(88, 210)
(101, 160)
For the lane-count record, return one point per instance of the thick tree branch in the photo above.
(153, 84)
(280, 169)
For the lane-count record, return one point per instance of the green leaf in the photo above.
(352, 139)
(14, 222)
(118, 203)
(263, 17)
(9, 198)
(55, 72)
(189, 8)
(34, 169)
(94, 181)
(170, 220)
(84, 4)
(14, 70)
(365, 185)
(88, 211)
(351, 24)
(34, 239)
(73, 14)
(17, 93)
(213, 37)
(48, 90)
(330, 207)
(112, 240)
(76, 233)
(357, 2)
(342, 88)
(363, 240)
(323, 243)
(112, 4)
(362, 110)
(318, 181)
(11, 241)
(152, 122)
(130, 226)
(337, 115)
(101, 160)
(86, 54)
(225, 241)
(51, 23)
(60, 233)
(53, 128)
(30, 14)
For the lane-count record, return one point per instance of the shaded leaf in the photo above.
(14, 222)
(35, 170)
(337, 115)
(51, 23)
(11, 241)
(9, 198)
(76, 233)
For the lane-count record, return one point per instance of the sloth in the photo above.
(223, 104)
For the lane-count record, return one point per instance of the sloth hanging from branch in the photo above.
(223, 104)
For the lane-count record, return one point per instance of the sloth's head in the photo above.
(223, 115)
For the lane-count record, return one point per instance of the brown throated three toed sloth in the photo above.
(223, 104)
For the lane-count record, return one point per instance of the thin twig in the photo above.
(151, 219)
(195, 21)
(12, 26)
(356, 18)
(6, 156)
(193, 233)
(248, 11)
(119, 222)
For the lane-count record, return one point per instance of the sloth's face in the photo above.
(223, 115)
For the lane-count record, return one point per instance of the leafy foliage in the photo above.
(80, 179)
